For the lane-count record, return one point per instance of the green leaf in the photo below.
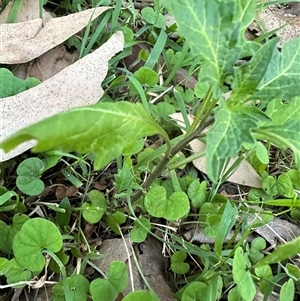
(228, 220)
(114, 220)
(93, 211)
(284, 136)
(146, 76)
(217, 40)
(152, 17)
(15, 273)
(248, 76)
(115, 283)
(281, 78)
(13, 85)
(123, 179)
(31, 82)
(195, 291)
(140, 295)
(63, 218)
(234, 295)
(287, 291)
(108, 128)
(140, 230)
(8, 232)
(241, 277)
(79, 288)
(280, 112)
(197, 193)
(282, 252)
(173, 208)
(231, 129)
(285, 186)
(178, 265)
(29, 172)
(212, 225)
(293, 271)
(35, 235)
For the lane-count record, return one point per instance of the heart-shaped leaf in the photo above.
(29, 172)
(178, 265)
(35, 235)
(140, 230)
(93, 211)
(110, 288)
(140, 295)
(173, 208)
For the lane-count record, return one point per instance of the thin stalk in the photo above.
(164, 162)
(203, 110)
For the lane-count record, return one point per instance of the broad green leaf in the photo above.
(79, 288)
(172, 208)
(140, 230)
(197, 193)
(282, 76)
(285, 186)
(265, 273)
(93, 211)
(146, 76)
(242, 277)
(152, 17)
(234, 295)
(140, 295)
(8, 232)
(105, 129)
(212, 225)
(29, 172)
(114, 220)
(284, 136)
(195, 291)
(15, 273)
(287, 291)
(13, 85)
(214, 31)
(116, 282)
(36, 235)
(248, 76)
(293, 271)
(231, 129)
(178, 265)
(123, 179)
(228, 220)
(282, 252)
(280, 112)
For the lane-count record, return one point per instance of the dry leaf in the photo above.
(76, 85)
(245, 174)
(24, 41)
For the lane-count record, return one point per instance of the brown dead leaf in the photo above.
(76, 85)
(245, 174)
(24, 41)
(63, 191)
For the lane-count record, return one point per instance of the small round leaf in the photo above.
(36, 235)
(173, 208)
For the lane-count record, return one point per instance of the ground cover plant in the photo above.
(128, 163)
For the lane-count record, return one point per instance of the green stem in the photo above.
(204, 111)
(168, 156)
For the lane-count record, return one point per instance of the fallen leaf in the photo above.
(245, 174)
(24, 41)
(76, 85)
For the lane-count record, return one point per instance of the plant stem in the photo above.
(163, 163)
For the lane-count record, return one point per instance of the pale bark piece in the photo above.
(76, 85)
(26, 45)
(245, 174)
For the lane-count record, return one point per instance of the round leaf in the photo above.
(93, 212)
(173, 208)
(35, 235)
(29, 172)
(146, 76)
(140, 230)
(178, 265)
